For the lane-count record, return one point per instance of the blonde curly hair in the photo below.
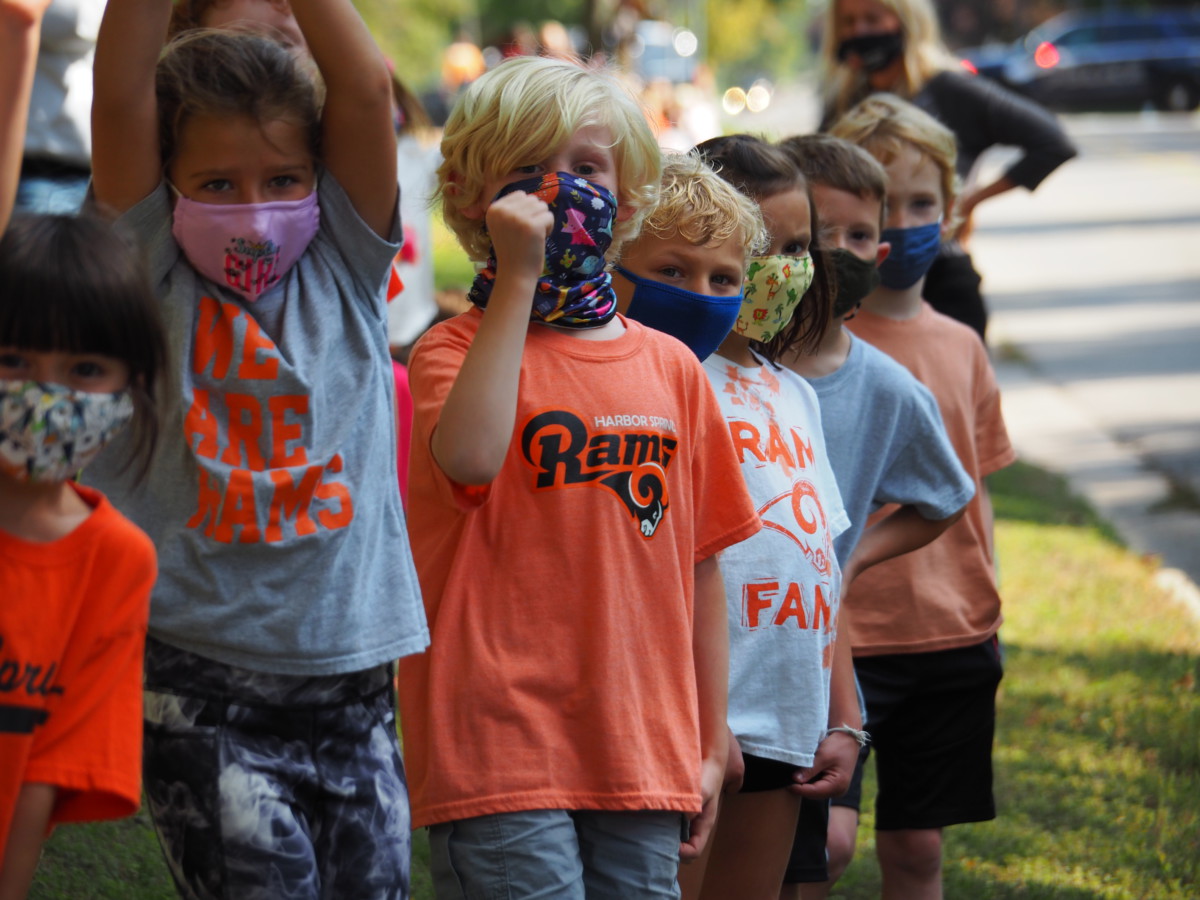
(703, 208)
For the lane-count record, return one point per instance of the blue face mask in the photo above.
(913, 251)
(699, 320)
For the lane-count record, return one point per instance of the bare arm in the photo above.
(710, 656)
(900, 532)
(20, 30)
(475, 427)
(358, 137)
(126, 162)
(31, 816)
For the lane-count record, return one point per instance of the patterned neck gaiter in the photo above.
(574, 290)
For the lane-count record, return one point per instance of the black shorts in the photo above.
(932, 717)
(809, 861)
(765, 774)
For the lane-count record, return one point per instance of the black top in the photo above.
(982, 113)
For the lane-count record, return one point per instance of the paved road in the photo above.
(1094, 283)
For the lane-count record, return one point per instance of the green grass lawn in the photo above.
(1097, 752)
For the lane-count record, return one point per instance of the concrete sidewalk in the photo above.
(1094, 286)
(1051, 431)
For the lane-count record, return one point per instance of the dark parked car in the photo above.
(1102, 60)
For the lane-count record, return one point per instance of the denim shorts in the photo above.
(557, 853)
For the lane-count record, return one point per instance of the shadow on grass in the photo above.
(1097, 767)
(1097, 751)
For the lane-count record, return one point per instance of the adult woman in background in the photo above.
(896, 46)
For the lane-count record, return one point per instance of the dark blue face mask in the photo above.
(699, 320)
(913, 252)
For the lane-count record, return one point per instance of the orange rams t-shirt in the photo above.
(943, 595)
(72, 630)
(559, 596)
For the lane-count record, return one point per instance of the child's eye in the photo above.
(218, 185)
(585, 169)
(531, 169)
(11, 360)
(795, 248)
(670, 272)
(283, 181)
(722, 280)
(860, 236)
(88, 368)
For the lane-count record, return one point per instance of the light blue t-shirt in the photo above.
(886, 442)
(272, 499)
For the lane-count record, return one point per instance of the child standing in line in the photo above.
(81, 350)
(887, 443)
(571, 485)
(783, 586)
(286, 588)
(923, 625)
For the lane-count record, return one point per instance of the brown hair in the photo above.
(837, 163)
(213, 72)
(72, 285)
(760, 170)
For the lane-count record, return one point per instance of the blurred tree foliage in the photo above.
(413, 33)
(752, 38)
(742, 39)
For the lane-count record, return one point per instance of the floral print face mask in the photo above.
(49, 432)
(773, 288)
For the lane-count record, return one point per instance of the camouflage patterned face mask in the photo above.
(49, 432)
(773, 288)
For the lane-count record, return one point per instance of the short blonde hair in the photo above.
(524, 109)
(702, 207)
(925, 54)
(883, 124)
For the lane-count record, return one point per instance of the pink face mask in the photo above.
(247, 247)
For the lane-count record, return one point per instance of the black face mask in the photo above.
(877, 51)
(855, 279)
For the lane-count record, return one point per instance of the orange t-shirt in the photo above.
(72, 630)
(559, 597)
(943, 595)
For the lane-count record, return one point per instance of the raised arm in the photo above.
(20, 29)
(126, 161)
(475, 427)
(358, 137)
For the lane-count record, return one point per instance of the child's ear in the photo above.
(626, 212)
(881, 253)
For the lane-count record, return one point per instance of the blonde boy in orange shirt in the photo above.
(571, 483)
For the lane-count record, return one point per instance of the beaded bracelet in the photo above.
(861, 736)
